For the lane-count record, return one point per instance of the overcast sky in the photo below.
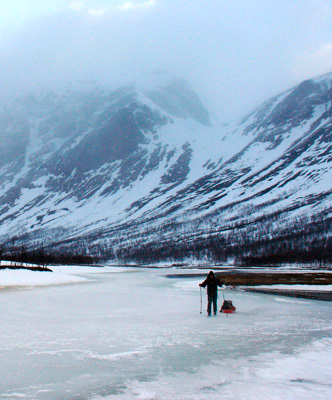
(235, 53)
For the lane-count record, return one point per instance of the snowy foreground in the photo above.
(116, 333)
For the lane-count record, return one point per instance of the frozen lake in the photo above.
(138, 335)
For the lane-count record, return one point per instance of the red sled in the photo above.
(227, 307)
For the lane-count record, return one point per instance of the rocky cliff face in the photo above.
(118, 167)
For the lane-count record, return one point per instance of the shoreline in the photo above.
(22, 267)
(315, 285)
(247, 280)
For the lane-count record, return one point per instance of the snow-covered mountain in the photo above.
(113, 169)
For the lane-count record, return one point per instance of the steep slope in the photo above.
(118, 169)
(60, 152)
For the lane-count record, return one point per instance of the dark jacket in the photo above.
(212, 284)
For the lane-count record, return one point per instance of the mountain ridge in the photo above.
(111, 170)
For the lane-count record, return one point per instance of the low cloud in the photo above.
(132, 6)
(97, 12)
(235, 54)
(76, 5)
(316, 62)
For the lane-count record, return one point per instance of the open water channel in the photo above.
(136, 334)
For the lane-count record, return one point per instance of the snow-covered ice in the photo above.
(21, 277)
(60, 275)
(136, 334)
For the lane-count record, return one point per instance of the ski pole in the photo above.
(224, 299)
(200, 291)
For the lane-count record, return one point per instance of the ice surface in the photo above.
(136, 334)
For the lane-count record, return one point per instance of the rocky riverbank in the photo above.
(315, 283)
(255, 278)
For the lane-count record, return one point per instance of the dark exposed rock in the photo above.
(178, 171)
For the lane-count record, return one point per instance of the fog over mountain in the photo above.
(234, 54)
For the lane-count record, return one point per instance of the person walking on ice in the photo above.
(212, 284)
